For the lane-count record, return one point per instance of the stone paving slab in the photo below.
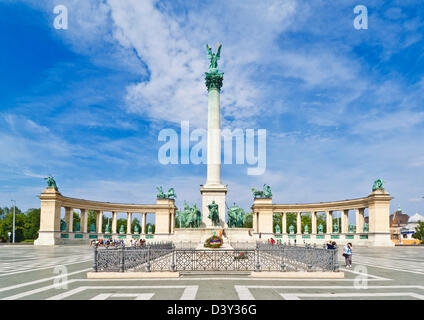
(61, 273)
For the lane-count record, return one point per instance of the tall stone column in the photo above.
(99, 221)
(114, 221)
(213, 189)
(299, 222)
(129, 220)
(84, 220)
(314, 222)
(359, 217)
(345, 221)
(329, 217)
(284, 222)
(69, 218)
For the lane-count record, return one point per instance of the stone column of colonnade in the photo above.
(314, 222)
(84, 220)
(299, 222)
(114, 221)
(99, 221)
(329, 218)
(360, 219)
(129, 220)
(284, 221)
(69, 218)
(345, 220)
(143, 222)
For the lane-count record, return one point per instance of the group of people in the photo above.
(347, 252)
(108, 243)
(272, 241)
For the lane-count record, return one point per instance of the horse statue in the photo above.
(171, 194)
(265, 194)
(51, 183)
(378, 184)
(162, 195)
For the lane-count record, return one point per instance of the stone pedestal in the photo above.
(49, 233)
(217, 194)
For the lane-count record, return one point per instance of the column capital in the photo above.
(213, 80)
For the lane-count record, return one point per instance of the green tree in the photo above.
(153, 227)
(419, 231)
(77, 219)
(134, 223)
(291, 220)
(248, 222)
(321, 219)
(6, 224)
(91, 218)
(276, 221)
(306, 220)
(119, 223)
(32, 224)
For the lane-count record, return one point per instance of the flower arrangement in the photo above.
(241, 255)
(214, 242)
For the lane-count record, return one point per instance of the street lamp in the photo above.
(14, 209)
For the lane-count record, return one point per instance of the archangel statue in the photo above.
(213, 58)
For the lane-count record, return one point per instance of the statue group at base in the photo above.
(191, 217)
(236, 217)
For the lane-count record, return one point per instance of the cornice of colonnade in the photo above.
(348, 204)
(51, 194)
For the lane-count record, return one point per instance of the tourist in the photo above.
(347, 254)
(331, 245)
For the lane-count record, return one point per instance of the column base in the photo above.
(48, 238)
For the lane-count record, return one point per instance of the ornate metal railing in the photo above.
(262, 257)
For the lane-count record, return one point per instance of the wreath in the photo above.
(214, 242)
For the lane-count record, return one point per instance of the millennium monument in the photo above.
(206, 223)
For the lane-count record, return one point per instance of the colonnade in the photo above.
(376, 233)
(52, 203)
(359, 221)
(99, 221)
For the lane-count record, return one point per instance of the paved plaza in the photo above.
(57, 273)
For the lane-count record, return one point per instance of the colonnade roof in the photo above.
(348, 204)
(105, 206)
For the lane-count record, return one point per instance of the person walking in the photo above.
(347, 254)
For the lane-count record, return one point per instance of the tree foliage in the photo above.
(419, 231)
(27, 224)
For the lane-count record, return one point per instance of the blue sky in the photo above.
(342, 107)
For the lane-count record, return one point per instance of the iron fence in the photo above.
(259, 257)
